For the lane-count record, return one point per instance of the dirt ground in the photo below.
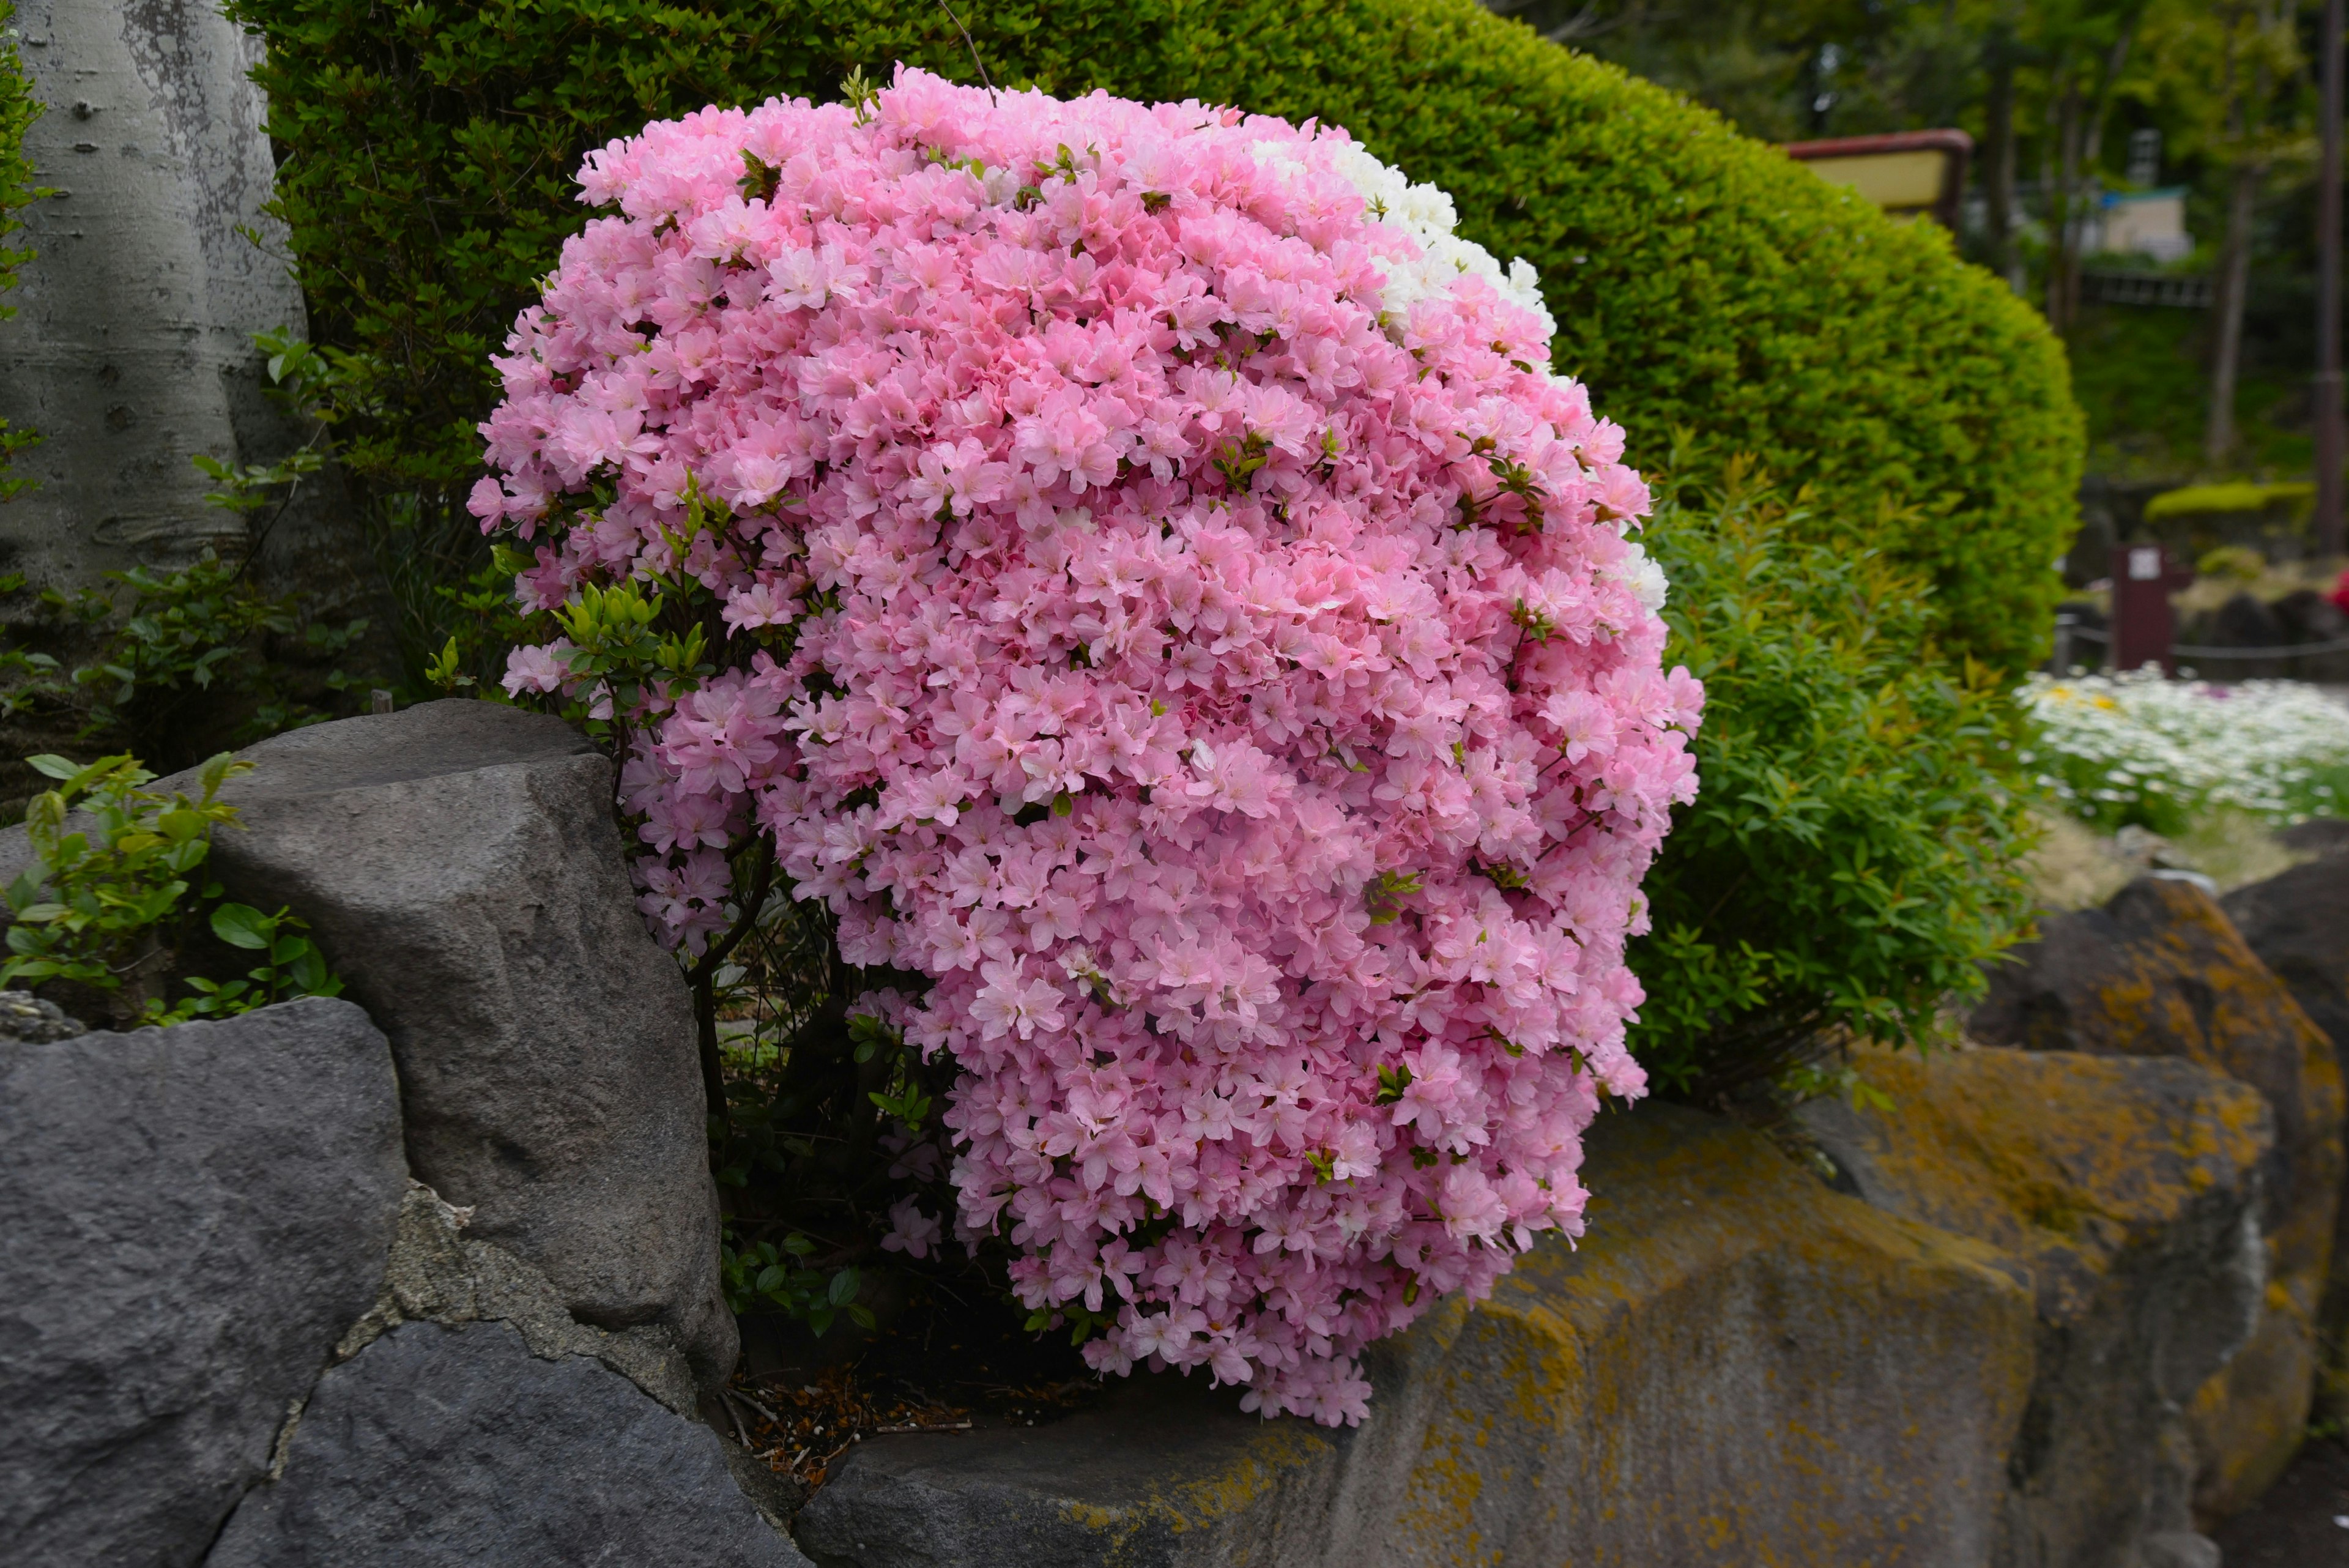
(2302, 1522)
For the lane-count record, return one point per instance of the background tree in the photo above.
(2228, 84)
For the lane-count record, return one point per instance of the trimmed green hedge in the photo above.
(1700, 280)
(18, 111)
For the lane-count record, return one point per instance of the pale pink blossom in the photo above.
(1146, 650)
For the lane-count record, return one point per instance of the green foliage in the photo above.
(1852, 852)
(766, 1274)
(2239, 495)
(1699, 279)
(18, 110)
(183, 660)
(318, 388)
(291, 966)
(2142, 376)
(111, 894)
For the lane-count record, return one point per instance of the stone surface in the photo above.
(2161, 971)
(2319, 836)
(2298, 923)
(2128, 1188)
(188, 1220)
(445, 1448)
(458, 865)
(437, 1274)
(2179, 1548)
(23, 1016)
(1737, 1367)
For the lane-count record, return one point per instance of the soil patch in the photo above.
(2301, 1523)
(934, 1365)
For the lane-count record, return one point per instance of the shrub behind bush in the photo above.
(1699, 279)
(1850, 855)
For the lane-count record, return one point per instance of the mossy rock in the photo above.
(2126, 1188)
(2160, 970)
(1736, 1365)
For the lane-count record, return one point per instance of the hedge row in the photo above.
(1700, 280)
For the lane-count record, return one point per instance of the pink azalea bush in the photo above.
(1172, 606)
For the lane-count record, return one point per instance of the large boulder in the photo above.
(2129, 1190)
(441, 1446)
(2298, 924)
(190, 1219)
(2161, 971)
(1736, 1365)
(460, 866)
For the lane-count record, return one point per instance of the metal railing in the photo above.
(2067, 632)
(2185, 292)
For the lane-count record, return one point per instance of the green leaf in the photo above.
(243, 926)
(844, 1287)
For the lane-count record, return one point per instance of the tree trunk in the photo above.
(2063, 220)
(1998, 165)
(2234, 289)
(2234, 280)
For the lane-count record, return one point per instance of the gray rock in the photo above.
(2179, 1549)
(1165, 1473)
(437, 1447)
(2129, 1190)
(188, 1220)
(2319, 836)
(2161, 971)
(460, 866)
(2298, 923)
(1734, 1366)
(23, 1016)
(437, 1274)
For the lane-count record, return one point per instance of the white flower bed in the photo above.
(2139, 748)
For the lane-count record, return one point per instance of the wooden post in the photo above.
(2329, 477)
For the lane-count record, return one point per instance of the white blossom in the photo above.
(2114, 746)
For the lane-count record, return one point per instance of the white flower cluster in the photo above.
(1424, 213)
(1640, 573)
(2120, 748)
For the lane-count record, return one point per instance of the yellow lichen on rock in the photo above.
(1736, 1366)
(2127, 1190)
(2160, 970)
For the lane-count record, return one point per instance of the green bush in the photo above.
(18, 111)
(170, 665)
(1700, 279)
(104, 912)
(1850, 857)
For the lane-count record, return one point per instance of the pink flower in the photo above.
(537, 668)
(911, 1231)
(1131, 640)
